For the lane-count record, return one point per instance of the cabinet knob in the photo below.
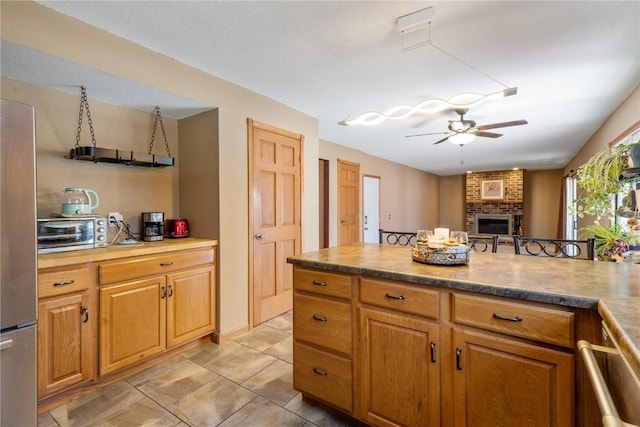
(458, 357)
(320, 371)
(510, 319)
(320, 318)
(85, 312)
(65, 283)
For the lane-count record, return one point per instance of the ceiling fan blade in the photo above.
(442, 140)
(425, 134)
(502, 125)
(488, 134)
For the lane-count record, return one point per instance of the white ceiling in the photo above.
(573, 62)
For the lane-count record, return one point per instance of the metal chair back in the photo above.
(558, 248)
(483, 243)
(402, 238)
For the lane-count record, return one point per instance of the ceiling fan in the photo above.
(464, 131)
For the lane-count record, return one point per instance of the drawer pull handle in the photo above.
(433, 351)
(85, 312)
(65, 283)
(320, 371)
(510, 319)
(458, 356)
(320, 319)
(164, 293)
(166, 264)
(400, 297)
(170, 290)
(315, 282)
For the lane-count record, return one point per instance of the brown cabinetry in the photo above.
(500, 380)
(65, 328)
(149, 304)
(323, 337)
(398, 354)
(426, 356)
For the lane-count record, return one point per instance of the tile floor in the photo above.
(243, 382)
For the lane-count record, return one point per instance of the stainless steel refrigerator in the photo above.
(18, 266)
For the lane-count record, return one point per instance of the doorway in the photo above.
(371, 208)
(323, 202)
(348, 202)
(275, 193)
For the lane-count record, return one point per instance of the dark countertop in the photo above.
(612, 288)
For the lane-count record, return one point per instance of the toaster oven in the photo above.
(68, 234)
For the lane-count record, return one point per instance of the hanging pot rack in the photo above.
(97, 154)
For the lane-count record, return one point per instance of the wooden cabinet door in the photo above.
(399, 377)
(64, 343)
(191, 305)
(133, 322)
(498, 381)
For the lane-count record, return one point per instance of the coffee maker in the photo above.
(152, 226)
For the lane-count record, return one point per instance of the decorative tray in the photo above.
(445, 255)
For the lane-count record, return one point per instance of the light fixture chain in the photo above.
(158, 118)
(467, 64)
(84, 102)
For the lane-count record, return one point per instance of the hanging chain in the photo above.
(158, 118)
(84, 102)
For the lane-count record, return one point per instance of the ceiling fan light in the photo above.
(462, 138)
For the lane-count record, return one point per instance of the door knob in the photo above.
(260, 236)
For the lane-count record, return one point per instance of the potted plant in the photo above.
(601, 179)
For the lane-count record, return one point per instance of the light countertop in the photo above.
(59, 259)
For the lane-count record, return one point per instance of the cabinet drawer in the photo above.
(321, 282)
(522, 320)
(323, 375)
(323, 322)
(132, 268)
(63, 280)
(401, 297)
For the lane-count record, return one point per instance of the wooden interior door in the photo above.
(275, 181)
(348, 202)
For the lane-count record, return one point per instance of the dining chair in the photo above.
(482, 243)
(402, 238)
(558, 248)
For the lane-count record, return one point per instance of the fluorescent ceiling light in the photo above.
(427, 106)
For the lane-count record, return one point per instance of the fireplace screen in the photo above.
(494, 224)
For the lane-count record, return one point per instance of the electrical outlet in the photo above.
(115, 218)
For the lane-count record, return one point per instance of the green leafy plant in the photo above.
(600, 180)
(610, 241)
(599, 177)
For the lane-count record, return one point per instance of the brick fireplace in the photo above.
(495, 202)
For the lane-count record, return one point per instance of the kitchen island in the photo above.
(498, 318)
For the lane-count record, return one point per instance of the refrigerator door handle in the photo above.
(6, 344)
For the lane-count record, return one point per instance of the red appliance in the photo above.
(177, 228)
